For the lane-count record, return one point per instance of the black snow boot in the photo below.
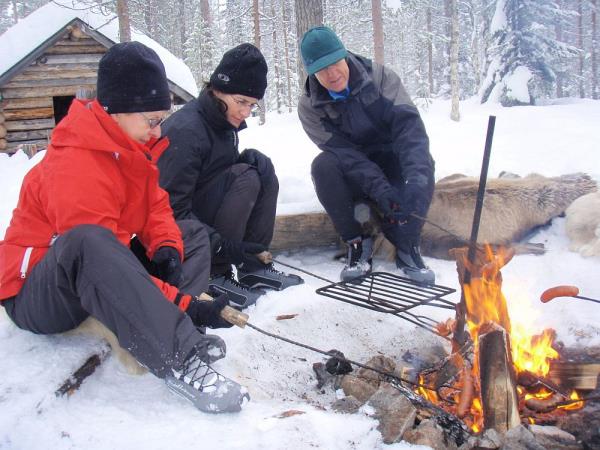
(205, 388)
(268, 277)
(360, 258)
(410, 262)
(240, 296)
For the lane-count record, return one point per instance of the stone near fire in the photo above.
(430, 434)
(357, 387)
(346, 405)
(394, 411)
(379, 362)
(554, 438)
(489, 439)
(520, 438)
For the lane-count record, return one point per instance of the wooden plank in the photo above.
(34, 68)
(14, 146)
(36, 124)
(71, 59)
(31, 113)
(54, 74)
(50, 82)
(77, 42)
(301, 230)
(2, 119)
(3, 131)
(50, 91)
(20, 103)
(30, 135)
(67, 50)
(3, 144)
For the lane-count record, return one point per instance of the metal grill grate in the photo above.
(391, 294)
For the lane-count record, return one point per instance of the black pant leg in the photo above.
(89, 272)
(336, 194)
(261, 223)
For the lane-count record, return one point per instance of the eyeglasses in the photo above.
(153, 122)
(253, 107)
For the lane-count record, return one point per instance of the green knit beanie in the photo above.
(320, 47)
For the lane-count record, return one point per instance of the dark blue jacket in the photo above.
(378, 116)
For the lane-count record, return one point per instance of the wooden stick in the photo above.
(228, 313)
(72, 384)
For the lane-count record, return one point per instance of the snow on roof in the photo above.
(31, 32)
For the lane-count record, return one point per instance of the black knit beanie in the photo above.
(132, 78)
(242, 70)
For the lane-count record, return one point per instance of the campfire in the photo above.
(497, 375)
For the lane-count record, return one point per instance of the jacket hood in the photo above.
(88, 126)
(358, 79)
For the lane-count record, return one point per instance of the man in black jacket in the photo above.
(208, 180)
(375, 148)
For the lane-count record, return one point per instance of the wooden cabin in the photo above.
(37, 87)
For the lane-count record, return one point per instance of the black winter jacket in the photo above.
(203, 144)
(378, 116)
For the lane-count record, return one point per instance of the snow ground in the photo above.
(115, 410)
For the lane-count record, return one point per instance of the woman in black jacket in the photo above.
(234, 195)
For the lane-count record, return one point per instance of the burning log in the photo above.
(498, 382)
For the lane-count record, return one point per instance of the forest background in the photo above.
(516, 52)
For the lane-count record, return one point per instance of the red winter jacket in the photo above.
(92, 173)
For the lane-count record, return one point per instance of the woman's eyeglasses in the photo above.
(253, 107)
(153, 122)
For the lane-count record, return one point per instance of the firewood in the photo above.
(498, 385)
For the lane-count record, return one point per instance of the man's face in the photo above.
(334, 77)
(141, 127)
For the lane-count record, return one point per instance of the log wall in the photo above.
(27, 108)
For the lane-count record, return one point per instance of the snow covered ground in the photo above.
(115, 410)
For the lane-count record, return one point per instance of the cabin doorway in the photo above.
(61, 106)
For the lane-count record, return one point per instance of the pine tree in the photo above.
(524, 52)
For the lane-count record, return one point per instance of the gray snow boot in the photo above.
(208, 390)
(413, 266)
(359, 260)
(268, 277)
(240, 295)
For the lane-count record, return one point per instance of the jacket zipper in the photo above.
(25, 263)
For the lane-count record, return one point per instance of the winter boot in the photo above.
(359, 260)
(240, 296)
(208, 390)
(268, 277)
(410, 262)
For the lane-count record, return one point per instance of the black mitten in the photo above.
(167, 264)
(206, 313)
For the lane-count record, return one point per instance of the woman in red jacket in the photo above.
(66, 252)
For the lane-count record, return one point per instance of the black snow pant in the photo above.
(87, 271)
(239, 206)
(339, 195)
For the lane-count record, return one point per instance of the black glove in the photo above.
(241, 253)
(415, 200)
(263, 164)
(167, 265)
(208, 313)
(389, 204)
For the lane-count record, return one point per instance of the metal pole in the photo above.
(461, 308)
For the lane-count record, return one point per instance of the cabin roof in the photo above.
(21, 44)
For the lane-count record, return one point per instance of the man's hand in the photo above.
(167, 264)
(207, 313)
(239, 253)
(263, 164)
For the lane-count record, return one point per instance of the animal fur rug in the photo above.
(513, 208)
(583, 225)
